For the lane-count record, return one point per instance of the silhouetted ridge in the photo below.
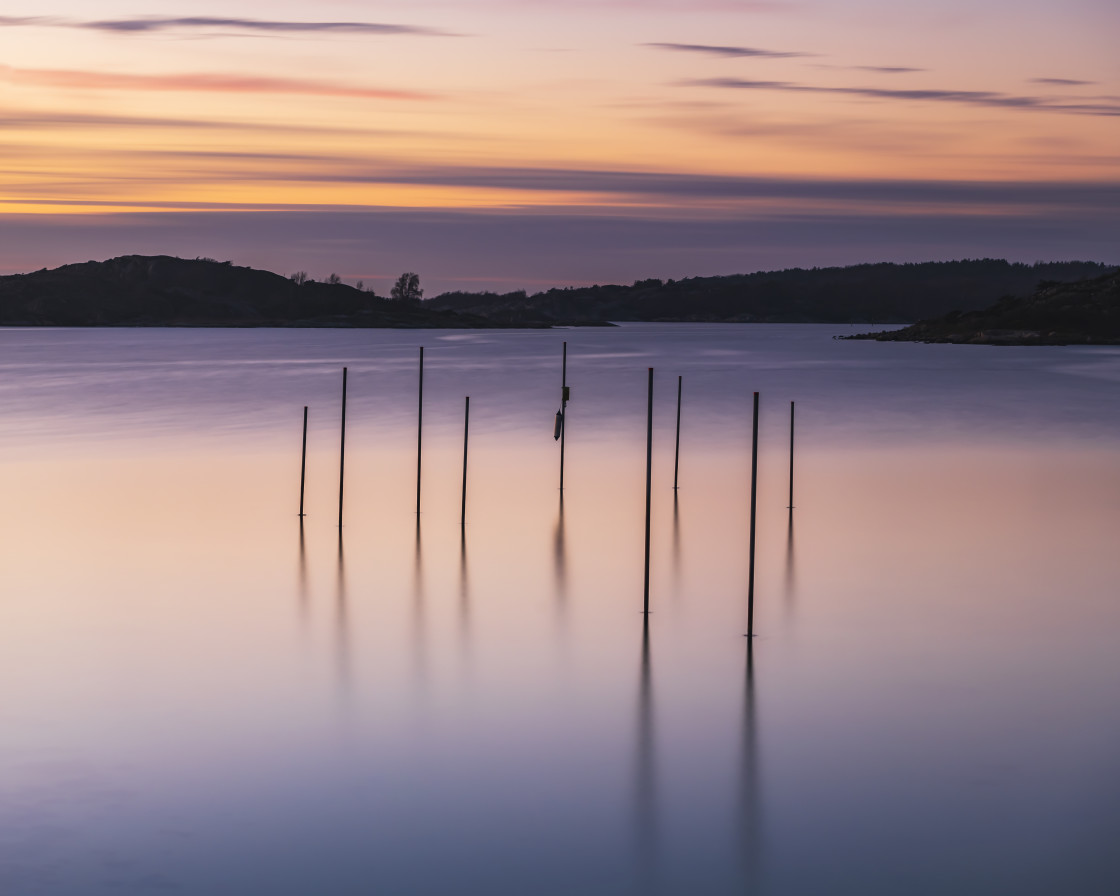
(139, 290)
(1086, 313)
(866, 293)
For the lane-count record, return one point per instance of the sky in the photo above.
(523, 144)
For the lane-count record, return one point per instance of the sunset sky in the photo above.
(528, 143)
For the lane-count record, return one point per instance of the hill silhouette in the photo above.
(139, 290)
(1082, 313)
(866, 293)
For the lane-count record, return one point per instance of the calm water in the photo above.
(199, 696)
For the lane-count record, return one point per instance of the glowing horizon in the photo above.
(665, 113)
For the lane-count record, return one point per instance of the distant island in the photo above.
(865, 293)
(164, 291)
(1083, 313)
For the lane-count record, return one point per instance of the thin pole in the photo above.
(342, 450)
(466, 432)
(677, 452)
(754, 495)
(790, 456)
(563, 410)
(303, 463)
(419, 428)
(649, 478)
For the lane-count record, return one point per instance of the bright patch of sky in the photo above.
(107, 106)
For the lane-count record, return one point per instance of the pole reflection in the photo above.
(419, 616)
(790, 576)
(464, 599)
(645, 774)
(676, 544)
(342, 626)
(750, 819)
(560, 561)
(303, 600)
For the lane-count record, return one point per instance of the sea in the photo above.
(202, 692)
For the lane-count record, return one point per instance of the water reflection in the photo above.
(419, 616)
(342, 626)
(303, 599)
(749, 810)
(464, 598)
(528, 750)
(645, 774)
(790, 576)
(560, 561)
(676, 544)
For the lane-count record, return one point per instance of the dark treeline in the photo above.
(1083, 313)
(138, 290)
(866, 293)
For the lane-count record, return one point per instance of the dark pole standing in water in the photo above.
(563, 409)
(466, 432)
(303, 462)
(754, 494)
(419, 428)
(677, 452)
(342, 451)
(791, 455)
(649, 479)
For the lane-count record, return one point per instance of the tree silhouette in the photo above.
(334, 279)
(407, 288)
(299, 278)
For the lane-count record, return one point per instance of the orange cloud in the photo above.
(196, 82)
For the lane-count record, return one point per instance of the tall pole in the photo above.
(754, 496)
(563, 410)
(419, 428)
(649, 479)
(342, 452)
(677, 452)
(466, 432)
(303, 462)
(791, 455)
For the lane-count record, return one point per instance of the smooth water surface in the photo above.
(199, 695)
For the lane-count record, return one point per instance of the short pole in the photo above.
(563, 409)
(303, 463)
(649, 479)
(466, 433)
(419, 429)
(342, 451)
(790, 456)
(677, 451)
(754, 495)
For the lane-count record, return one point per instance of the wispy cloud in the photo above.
(877, 69)
(1061, 82)
(20, 21)
(42, 120)
(1101, 194)
(888, 69)
(209, 82)
(985, 98)
(219, 24)
(145, 24)
(711, 50)
(28, 120)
